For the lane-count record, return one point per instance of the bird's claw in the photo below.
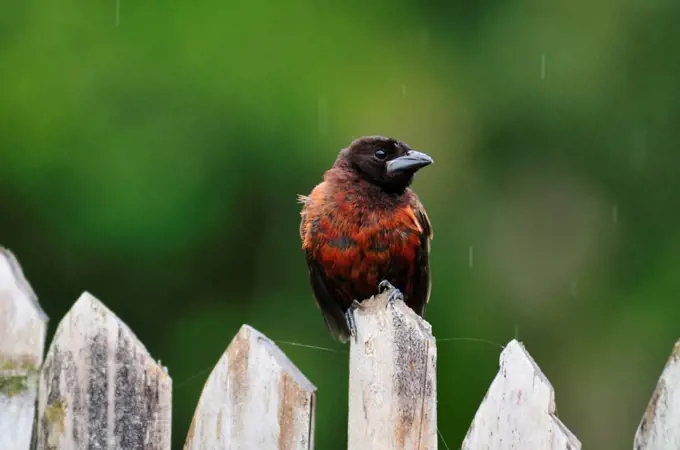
(384, 285)
(349, 315)
(395, 293)
(394, 296)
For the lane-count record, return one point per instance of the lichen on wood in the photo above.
(16, 377)
(54, 415)
(13, 385)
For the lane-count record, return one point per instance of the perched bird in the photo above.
(363, 231)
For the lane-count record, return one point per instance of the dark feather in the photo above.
(422, 282)
(329, 305)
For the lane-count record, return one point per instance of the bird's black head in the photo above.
(385, 162)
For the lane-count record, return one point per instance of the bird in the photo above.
(365, 231)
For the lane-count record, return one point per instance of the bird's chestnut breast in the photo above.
(365, 245)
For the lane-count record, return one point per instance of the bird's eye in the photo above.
(380, 154)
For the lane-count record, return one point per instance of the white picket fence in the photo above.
(98, 387)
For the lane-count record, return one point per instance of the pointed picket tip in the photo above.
(254, 398)
(518, 410)
(99, 385)
(12, 278)
(91, 308)
(23, 325)
(659, 428)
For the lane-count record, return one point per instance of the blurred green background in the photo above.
(151, 153)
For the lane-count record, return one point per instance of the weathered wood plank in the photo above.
(100, 388)
(22, 339)
(659, 428)
(255, 398)
(518, 411)
(392, 381)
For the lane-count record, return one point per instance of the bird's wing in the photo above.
(324, 289)
(422, 282)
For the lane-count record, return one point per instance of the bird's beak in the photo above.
(412, 160)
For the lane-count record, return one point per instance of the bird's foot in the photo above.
(395, 293)
(349, 315)
(385, 285)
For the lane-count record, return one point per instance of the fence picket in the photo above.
(659, 428)
(99, 388)
(22, 339)
(518, 410)
(392, 381)
(255, 398)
